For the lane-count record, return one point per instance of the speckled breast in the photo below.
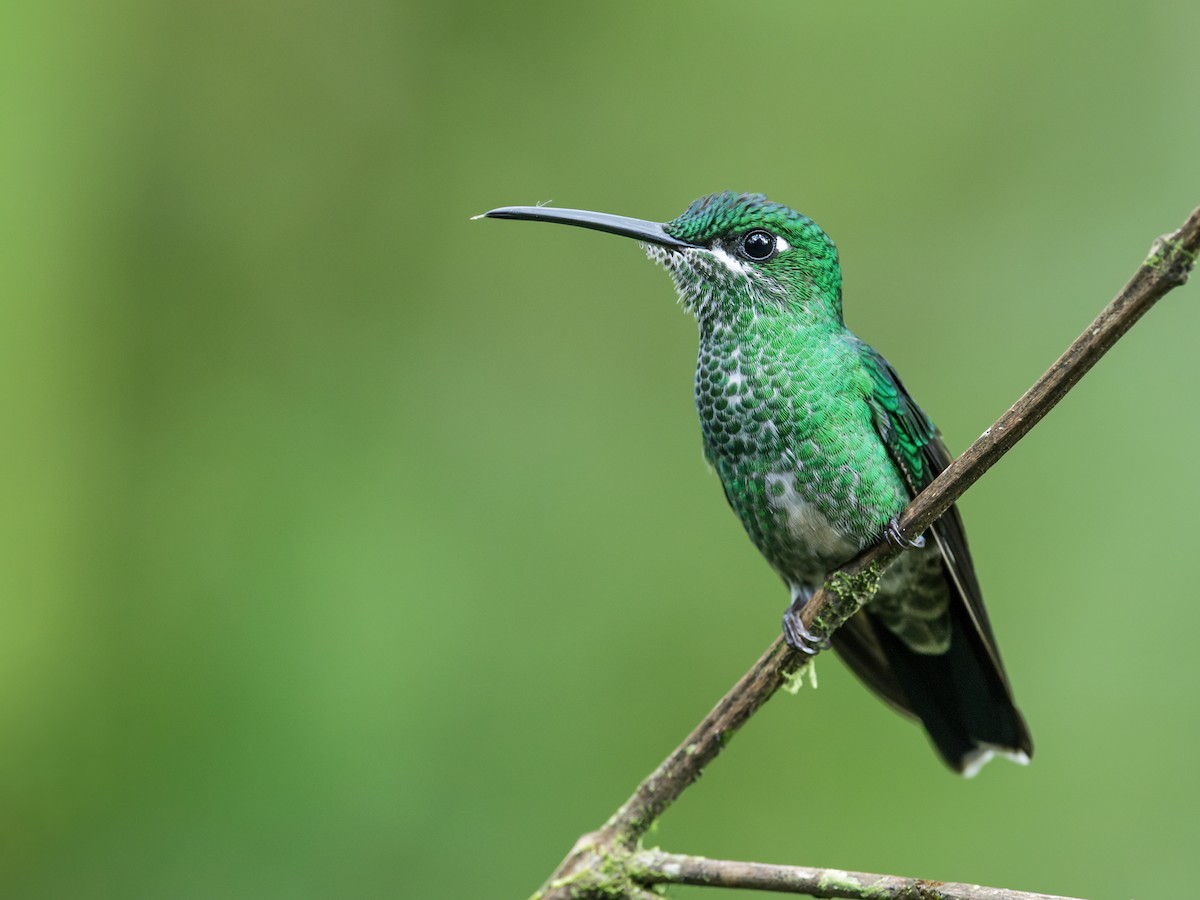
(795, 450)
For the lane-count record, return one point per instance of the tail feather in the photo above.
(960, 696)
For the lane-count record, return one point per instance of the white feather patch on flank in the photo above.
(804, 520)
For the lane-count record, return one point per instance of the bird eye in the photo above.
(757, 245)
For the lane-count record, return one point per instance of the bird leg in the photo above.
(797, 636)
(891, 533)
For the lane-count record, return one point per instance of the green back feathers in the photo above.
(903, 426)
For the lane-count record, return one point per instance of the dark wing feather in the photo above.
(858, 644)
(963, 698)
(918, 451)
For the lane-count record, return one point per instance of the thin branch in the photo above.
(656, 867)
(599, 859)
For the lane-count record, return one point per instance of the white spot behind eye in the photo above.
(781, 245)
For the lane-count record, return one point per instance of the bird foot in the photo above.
(796, 635)
(891, 533)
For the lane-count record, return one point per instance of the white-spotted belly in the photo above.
(806, 524)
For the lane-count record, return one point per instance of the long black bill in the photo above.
(650, 232)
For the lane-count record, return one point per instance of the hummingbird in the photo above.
(819, 447)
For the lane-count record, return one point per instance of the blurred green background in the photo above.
(356, 549)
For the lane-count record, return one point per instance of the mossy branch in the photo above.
(607, 864)
(656, 867)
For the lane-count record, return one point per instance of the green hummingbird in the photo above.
(819, 447)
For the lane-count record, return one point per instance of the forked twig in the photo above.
(606, 863)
